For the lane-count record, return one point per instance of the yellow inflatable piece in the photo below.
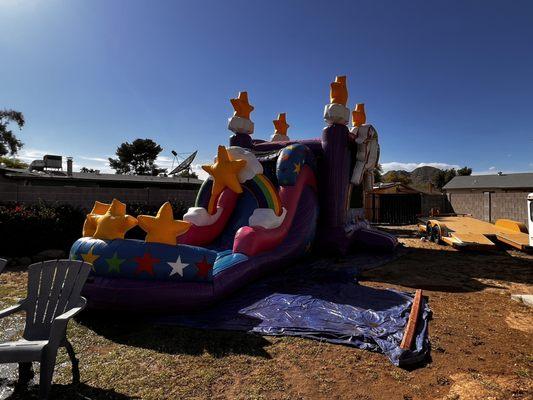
(358, 115)
(281, 126)
(242, 106)
(89, 226)
(114, 223)
(224, 172)
(339, 93)
(163, 228)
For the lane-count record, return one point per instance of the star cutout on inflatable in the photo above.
(225, 172)
(242, 106)
(114, 263)
(114, 223)
(90, 257)
(146, 264)
(339, 93)
(203, 268)
(177, 267)
(297, 168)
(163, 228)
(281, 124)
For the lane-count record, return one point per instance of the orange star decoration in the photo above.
(224, 172)
(241, 106)
(163, 228)
(281, 124)
(114, 223)
(89, 227)
(339, 93)
(358, 115)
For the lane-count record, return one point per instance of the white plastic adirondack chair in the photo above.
(2, 264)
(54, 289)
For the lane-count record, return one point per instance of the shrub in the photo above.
(26, 230)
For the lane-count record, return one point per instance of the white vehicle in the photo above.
(530, 217)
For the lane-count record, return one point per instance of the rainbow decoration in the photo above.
(264, 192)
(260, 186)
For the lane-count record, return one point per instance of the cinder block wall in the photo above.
(467, 203)
(86, 196)
(429, 201)
(510, 205)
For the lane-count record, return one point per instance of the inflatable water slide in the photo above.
(264, 205)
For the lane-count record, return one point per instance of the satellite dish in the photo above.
(185, 164)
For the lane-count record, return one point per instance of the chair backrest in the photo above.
(54, 287)
(2, 264)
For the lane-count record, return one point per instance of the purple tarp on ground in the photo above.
(322, 304)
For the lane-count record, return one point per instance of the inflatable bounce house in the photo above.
(265, 204)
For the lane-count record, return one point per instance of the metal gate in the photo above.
(399, 209)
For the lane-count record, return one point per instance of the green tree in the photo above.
(465, 171)
(9, 144)
(378, 173)
(394, 176)
(13, 163)
(85, 170)
(443, 177)
(137, 158)
(188, 174)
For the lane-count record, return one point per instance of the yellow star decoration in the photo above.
(281, 124)
(297, 168)
(114, 223)
(241, 106)
(89, 226)
(358, 115)
(339, 93)
(224, 172)
(90, 257)
(163, 228)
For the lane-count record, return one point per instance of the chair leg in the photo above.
(74, 361)
(25, 373)
(48, 362)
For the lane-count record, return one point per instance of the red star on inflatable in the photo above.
(146, 264)
(203, 268)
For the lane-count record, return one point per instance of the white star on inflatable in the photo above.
(177, 267)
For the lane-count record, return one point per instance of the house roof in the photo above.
(503, 181)
(62, 176)
(387, 187)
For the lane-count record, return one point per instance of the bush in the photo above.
(28, 229)
(25, 230)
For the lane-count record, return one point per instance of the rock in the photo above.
(51, 254)
(527, 299)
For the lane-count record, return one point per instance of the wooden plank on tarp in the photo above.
(410, 329)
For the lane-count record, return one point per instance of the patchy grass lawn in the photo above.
(481, 344)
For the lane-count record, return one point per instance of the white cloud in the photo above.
(395, 165)
(97, 159)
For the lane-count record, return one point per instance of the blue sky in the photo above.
(447, 82)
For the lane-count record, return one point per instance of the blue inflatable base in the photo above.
(321, 304)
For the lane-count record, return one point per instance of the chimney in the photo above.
(69, 166)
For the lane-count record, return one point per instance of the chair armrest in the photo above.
(59, 324)
(72, 312)
(12, 310)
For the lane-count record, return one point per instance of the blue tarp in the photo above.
(323, 304)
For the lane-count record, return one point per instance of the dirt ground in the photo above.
(482, 345)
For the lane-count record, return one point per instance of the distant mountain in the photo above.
(419, 178)
(424, 175)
